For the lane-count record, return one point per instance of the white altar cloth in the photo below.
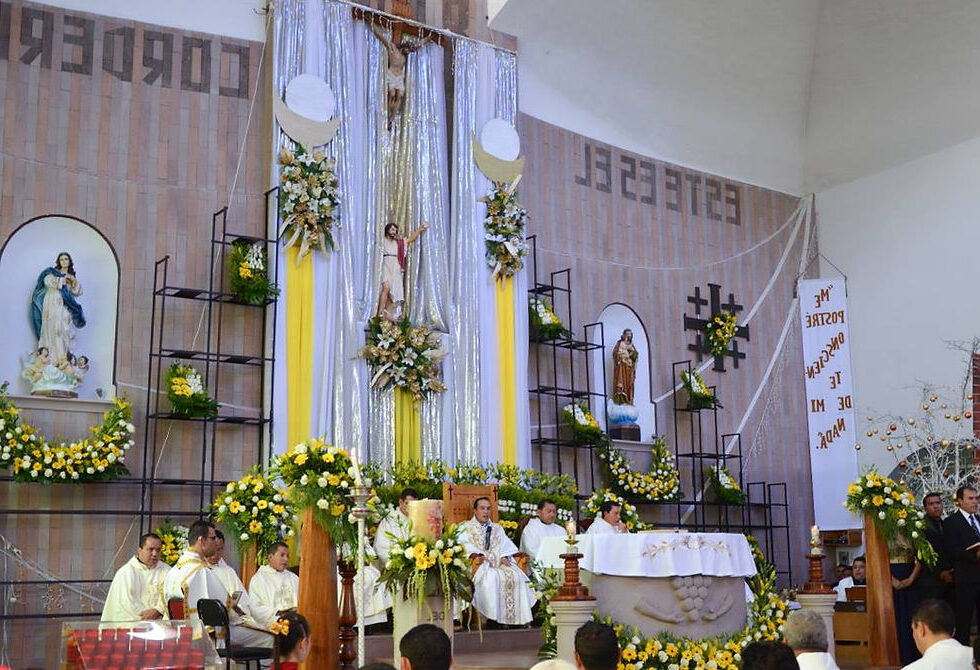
(656, 554)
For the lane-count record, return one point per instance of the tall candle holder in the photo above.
(361, 494)
(572, 589)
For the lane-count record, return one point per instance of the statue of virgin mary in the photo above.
(55, 313)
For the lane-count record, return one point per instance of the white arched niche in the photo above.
(616, 318)
(30, 249)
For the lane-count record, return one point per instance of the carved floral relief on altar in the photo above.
(59, 310)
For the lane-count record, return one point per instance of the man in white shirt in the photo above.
(136, 592)
(806, 635)
(191, 580)
(608, 520)
(273, 589)
(500, 589)
(857, 578)
(540, 527)
(227, 575)
(395, 526)
(932, 630)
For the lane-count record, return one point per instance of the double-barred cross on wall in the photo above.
(699, 321)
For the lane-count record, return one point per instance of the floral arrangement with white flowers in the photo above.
(319, 477)
(660, 483)
(255, 510)
(309, 200)
(699, 396)
(504, 231)
(403, 356)
(173, 541)
(420, 567)
(248, 271)
(719, 331)
(665, 651)
(584, 426)
(544, 323)
(98, 458)
(725, 485)
(627, 512)
(186, 392)
(893, 509)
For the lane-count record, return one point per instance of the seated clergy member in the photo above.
(377, 599)
(273, 589)
(932, 630)
(227, 575)
(541, 526)
(395, 526)
(192, 580)
(136, 592)
(608, 520)
(500, 588)
(857, 578)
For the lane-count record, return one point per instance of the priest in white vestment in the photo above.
(136, 592)
(608, 520)
(192, 580)
(395, 526)
(228, 576)
(500, 589)
(273, 589)
(539, 527)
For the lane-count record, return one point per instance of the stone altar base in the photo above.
(696, 606)
(406, 614)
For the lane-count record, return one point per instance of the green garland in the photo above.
(665, 651)
(661, 483)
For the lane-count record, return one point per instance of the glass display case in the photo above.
(138, 645)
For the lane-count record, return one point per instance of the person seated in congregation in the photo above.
(273, 590)
(500, 588)
(596, 647)
(608, 520)
(136, 592)
(191, 580)
(932, 630)
(806, 634)
(294, 641)
(768, 655)
(228, 577)
(541, 526)
(857, 578)
(395, 526)
(426, 647)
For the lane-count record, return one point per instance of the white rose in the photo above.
(230, 487)
(244, 536)
(221, 509)
(322, 503)
(304, 480)
(409, 554)
(322, 482)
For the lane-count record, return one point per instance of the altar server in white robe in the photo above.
(136, 592)
(377, 599)
(608, 520)
(395, 526)
(541, 526)
(273, 589)
(227, 575)
(192, 580)
(500, 589)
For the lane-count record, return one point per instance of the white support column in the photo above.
(822, 604)
(569, 616)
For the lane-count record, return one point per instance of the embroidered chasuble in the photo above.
(135, 588)
(500, 592)
(271, 591)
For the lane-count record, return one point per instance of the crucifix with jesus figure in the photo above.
(714, 306)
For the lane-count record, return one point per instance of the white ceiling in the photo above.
(796, 95)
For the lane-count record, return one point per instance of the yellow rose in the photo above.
(301, 458)
(255, 526)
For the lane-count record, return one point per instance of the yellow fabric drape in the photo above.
(506, 356)
(299, 346)
(408, 428)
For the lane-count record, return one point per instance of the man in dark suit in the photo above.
(961, 531)
(934, 582)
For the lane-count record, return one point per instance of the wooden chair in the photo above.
(457, 507)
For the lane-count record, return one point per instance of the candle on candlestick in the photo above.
(357, 469)
(571, 528)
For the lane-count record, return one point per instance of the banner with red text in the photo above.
(829, 399)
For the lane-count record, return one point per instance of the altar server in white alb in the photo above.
(539, 527)
(192, 580)
(273, 589)
(136, 592)
(608, 520)
(377, 599)
(395, 526)
(500, 589)
(227, 575)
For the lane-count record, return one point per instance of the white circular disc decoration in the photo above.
(310, 96)
(499, 139)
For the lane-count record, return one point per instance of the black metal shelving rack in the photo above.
(564, 353)
(209, 361)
